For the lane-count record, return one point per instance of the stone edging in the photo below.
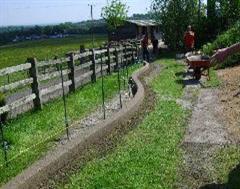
(41, 170)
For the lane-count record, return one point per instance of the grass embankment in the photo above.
(148, 156)
(12, 55)
(214, 80)
(226, 39)
(227, 166)
(41, 128)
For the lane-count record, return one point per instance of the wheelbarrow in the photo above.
(199, 64)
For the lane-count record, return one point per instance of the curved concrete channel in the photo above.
(63, 155)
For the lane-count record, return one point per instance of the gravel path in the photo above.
(205, 135)
(207, 125)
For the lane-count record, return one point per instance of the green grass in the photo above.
(147, 157)
(227, 166)
(41, 128)
(214, 80)
(226, 39)
(12, 55)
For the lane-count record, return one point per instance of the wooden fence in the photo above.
(44, 84)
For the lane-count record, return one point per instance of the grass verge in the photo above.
(148, 156)
(214, 80)
(33, 133)
(227, 166)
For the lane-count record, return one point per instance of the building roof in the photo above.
(143, 22)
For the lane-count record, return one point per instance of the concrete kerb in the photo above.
(63, 155)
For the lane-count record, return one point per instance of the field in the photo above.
(14, 54)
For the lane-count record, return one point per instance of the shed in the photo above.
(135, 29)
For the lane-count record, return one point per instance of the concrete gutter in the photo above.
(63, 155)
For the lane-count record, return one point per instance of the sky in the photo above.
(32, 12)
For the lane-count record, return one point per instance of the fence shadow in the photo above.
(233, 181)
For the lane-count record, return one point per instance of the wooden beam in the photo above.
(15, 85)
(55, 88)
(13, 69)
(17, 103)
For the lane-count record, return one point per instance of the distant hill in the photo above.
(22, 33)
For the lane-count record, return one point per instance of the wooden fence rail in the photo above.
(77, 67)
(15, 69)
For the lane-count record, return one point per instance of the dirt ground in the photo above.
(230, 99)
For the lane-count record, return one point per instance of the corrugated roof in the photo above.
(143, 22)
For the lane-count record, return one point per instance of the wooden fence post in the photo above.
(108, 61)
(93, 67)
(71, 75)
(33, 71)
(82, 50)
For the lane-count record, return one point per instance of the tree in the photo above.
(228, 12)
(174, 16)
(48, 30)
(115, 14)
(221, 15)
(38, 30)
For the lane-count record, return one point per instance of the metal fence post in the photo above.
(119, 80)
(108, 61)
(93, 67)
(103, 94)
(4, 145)
(33, 71)
(8, 78)
(127, 68)
(125, 62)
(71, 75)
(82, 50)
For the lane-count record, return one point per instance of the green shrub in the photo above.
(3, 103)
(226, 39)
